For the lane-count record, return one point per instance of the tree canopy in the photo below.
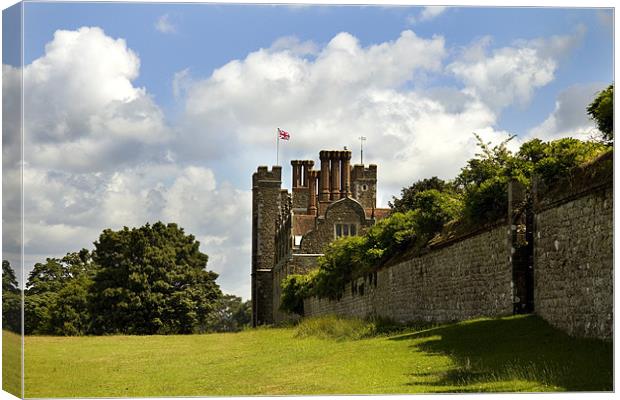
(147, 280)
(601, 110)
(151, 279)
(11, 299)
(56, 296)
(231, 314)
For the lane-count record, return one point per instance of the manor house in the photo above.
(290, 229)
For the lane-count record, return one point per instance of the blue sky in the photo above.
(140, 112)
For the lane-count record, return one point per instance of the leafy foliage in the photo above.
(151, 280)
(56, 295)
(231, 314)
(551, 160)
(407, 201)
(295, 288)
(484, 180)
(601, 110)
(11, 299)
(434, 210)
(143, 280)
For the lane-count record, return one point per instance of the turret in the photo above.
(266, 203)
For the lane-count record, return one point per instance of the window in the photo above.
(297, 240)
(341, 230)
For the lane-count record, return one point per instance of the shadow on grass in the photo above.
(517, 348)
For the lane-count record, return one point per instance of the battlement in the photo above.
(264, 174)
(360, 171)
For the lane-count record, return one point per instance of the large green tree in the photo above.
(11, 299)
(151, 280)
(601, 110)
(56, 300)
(231, 314)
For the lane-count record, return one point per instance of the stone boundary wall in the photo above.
(465, 279)
(573, 251)
(471, 275)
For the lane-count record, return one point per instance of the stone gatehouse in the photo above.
(290, 229)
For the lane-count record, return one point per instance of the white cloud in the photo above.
(79, 100)
(331, 98)
(180, 83)
(511, 74)
(294, 45)
(242, 102)
(569, 118)
(428, 13)
(164, 25)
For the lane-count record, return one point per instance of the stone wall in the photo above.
(573, 251)
(466, 278)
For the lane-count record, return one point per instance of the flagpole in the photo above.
(277, 147)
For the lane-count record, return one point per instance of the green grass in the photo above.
(501, 355)
(11, 363)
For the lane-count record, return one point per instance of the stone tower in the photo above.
(291, 229)
(266, 202)
(364, 185)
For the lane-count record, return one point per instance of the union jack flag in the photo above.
(284, 135)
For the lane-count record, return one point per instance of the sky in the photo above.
(136, 113)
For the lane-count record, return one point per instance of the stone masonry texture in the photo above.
(466, 279)
(573, 253)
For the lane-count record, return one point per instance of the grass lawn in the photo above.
(505, 355)
(11, 363)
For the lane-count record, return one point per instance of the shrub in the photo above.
(435, 209)
(407, 201)
(343, 260)
(560, 156)
(391, 234)
(487, 202)
(295, 288)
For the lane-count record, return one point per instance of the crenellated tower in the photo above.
(291, 229)
(266, 204)
(364, 183)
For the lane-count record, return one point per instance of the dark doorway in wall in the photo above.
(522, 239)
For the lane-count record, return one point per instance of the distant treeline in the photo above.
(147, 280)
